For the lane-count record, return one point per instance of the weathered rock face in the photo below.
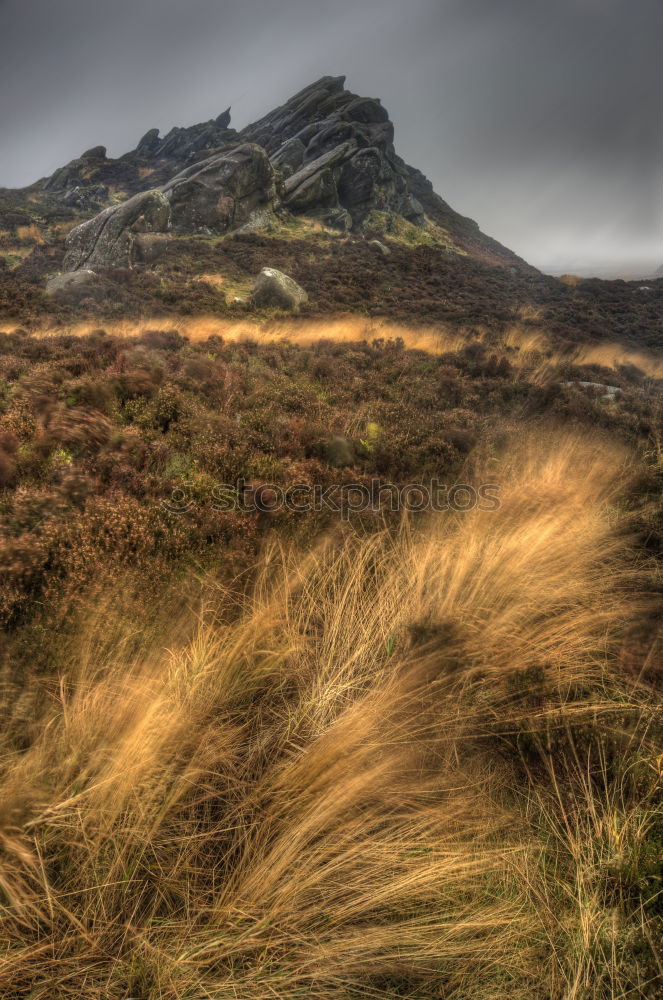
(274, 288)
(108, 240)
(336, 151)
(222, 192)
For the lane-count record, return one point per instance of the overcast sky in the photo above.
(541, 119)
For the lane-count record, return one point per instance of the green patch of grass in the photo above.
(394, 227)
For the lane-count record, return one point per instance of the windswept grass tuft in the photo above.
(401, 767)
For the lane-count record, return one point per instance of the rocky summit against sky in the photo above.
(538, 119)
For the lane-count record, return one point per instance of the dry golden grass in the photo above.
(380, 775)
(614, 355)
(524, 344)
(29, 234)
(216, 280)
(301, 331)
(572, 280)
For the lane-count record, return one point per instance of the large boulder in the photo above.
(108, 239)
(222, 192)
(73, 281)
(380, 248)
(274, 288)
(94, 153)
(318, 191)
(361, 177)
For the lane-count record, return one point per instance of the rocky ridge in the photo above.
(327, 153)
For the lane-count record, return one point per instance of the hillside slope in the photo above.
(182, 225)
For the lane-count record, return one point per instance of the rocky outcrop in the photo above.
(182, 146)
(108, 240)
(325, 153)
(335, 151)
(222, 192)
(95, 153)
(157, 157)
(78, 172)
(274, 288)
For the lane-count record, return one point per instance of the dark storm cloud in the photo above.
(539, 118)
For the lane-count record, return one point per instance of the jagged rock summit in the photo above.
(336, 153)
(327, 153)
